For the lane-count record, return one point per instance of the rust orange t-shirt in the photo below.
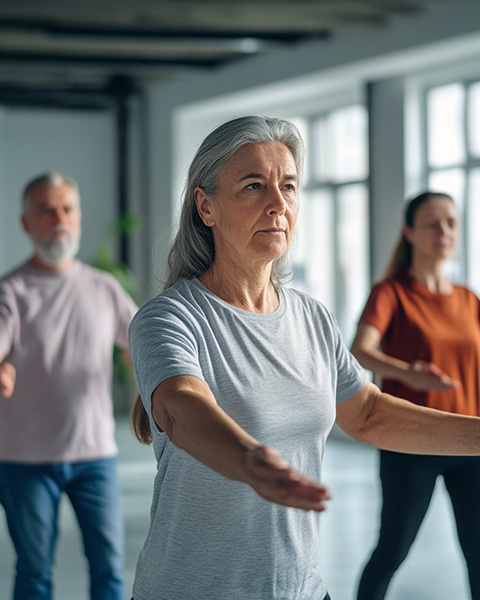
(444, 329)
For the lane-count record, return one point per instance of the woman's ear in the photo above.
(204, 206)
(407, 232)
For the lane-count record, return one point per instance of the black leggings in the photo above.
(327, 597)
(407, 485)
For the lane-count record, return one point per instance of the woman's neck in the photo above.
(432, 277)
(251, 293)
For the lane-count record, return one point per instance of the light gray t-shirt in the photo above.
(279, 376)
(58, 330)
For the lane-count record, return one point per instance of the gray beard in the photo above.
(54, 252)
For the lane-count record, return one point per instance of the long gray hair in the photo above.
(192, 251)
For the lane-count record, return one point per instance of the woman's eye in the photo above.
(253, 186)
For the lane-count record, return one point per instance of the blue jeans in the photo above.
(31, 495)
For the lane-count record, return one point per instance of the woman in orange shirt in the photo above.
(421, 334)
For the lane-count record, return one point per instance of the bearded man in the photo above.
(59, 322)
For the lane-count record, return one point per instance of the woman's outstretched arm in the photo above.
(391, 423)
(186, 410)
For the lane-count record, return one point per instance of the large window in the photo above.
(330, 253)
(453, 165)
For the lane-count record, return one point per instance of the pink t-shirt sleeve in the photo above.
(125, 308)
(8, 319)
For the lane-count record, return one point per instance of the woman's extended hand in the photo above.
(422, 375)
(7, 379)
(274, 480)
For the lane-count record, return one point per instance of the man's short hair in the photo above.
(49, 179)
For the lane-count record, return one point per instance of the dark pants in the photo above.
(408, 482)
(327, 597)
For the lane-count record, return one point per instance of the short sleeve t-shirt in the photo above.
(444, 329)
(278, 375)
(58, 329)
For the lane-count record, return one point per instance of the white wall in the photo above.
(78, 143)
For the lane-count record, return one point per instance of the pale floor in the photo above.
(433, 571)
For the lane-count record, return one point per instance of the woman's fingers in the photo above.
(7, 379)
(273, 479)
(427, 376)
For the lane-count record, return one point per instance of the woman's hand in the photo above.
(418, 375)
(423, 375)
(8, 375)
(274, 480)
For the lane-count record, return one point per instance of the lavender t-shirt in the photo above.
(279, 375)
(58, 330)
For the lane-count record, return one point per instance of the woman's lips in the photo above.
(272, 230)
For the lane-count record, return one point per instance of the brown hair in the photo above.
(401, 258)
(140, 422)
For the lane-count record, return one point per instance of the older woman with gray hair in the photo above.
(241, 380)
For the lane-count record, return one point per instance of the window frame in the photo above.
(333, 188)
(469, 164)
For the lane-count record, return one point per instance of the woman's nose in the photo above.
(277, 203)
(445, 227)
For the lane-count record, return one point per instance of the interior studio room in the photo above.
(119, 96)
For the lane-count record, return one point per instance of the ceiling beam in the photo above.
(54, 29)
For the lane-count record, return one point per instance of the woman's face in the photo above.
(435, 230)
(253, 212)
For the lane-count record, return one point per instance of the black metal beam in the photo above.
(193, 60)
(55, 97)
(121, 89)
(157, 33)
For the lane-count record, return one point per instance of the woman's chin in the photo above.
(273, 251)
